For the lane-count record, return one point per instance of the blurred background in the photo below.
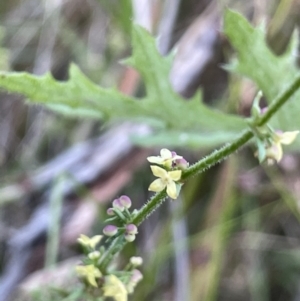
(233, 234)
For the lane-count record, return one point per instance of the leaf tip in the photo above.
(129, 61)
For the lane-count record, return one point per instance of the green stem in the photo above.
(205, 163)
(116, 245)
(279, 102)
(149, 207)
(217, 156)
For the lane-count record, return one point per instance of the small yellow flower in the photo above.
(89, 242)
(285, 137)
(274, 152)
(115, 288)
(166, 179)
(166, 158)
(89, 272)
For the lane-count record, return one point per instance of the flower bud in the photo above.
(137, 276)
(110, 230)
(129, 237)
(125, 201)
(136, 261)
(263, 110)
(110, 211)
(117, 204)
(133, 281)
(181, 163)
(131, 229)
(274, 153)
(94, 255)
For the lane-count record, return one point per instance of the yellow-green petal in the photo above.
(89, 242)
(274, 152)
(157, 185)
(279, 152)
(175, 175)
(158, 171)
(165, 154)
(91, 280)
(81, 270)
(155, 159)
(95, 240)
(89, 272)
(171, 190)
(288, 137)
(115, 288)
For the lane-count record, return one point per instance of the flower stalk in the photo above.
(215, 157)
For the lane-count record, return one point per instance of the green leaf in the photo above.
(177, 112)
(271, 73)
(184, 139)
(162, 108)
(72, 96)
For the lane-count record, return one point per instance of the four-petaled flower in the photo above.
(114, 287)
(166, 158)
(89, 242)
(274, 152)
(89, 272)
(166, 179)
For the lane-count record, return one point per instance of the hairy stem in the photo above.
(116, 246)
(149, 207)
(279, 102)
(217, 156)
(205, 163)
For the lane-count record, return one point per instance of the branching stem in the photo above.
(205, 163)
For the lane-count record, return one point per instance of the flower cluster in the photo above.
(169, 174)
(275, 152)
(165, 159)
(121, 214)
(119, 289)
(269, 142)
(89, 270)
(121, 283)
(270, 146)
(117, 284)
(130, 232)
